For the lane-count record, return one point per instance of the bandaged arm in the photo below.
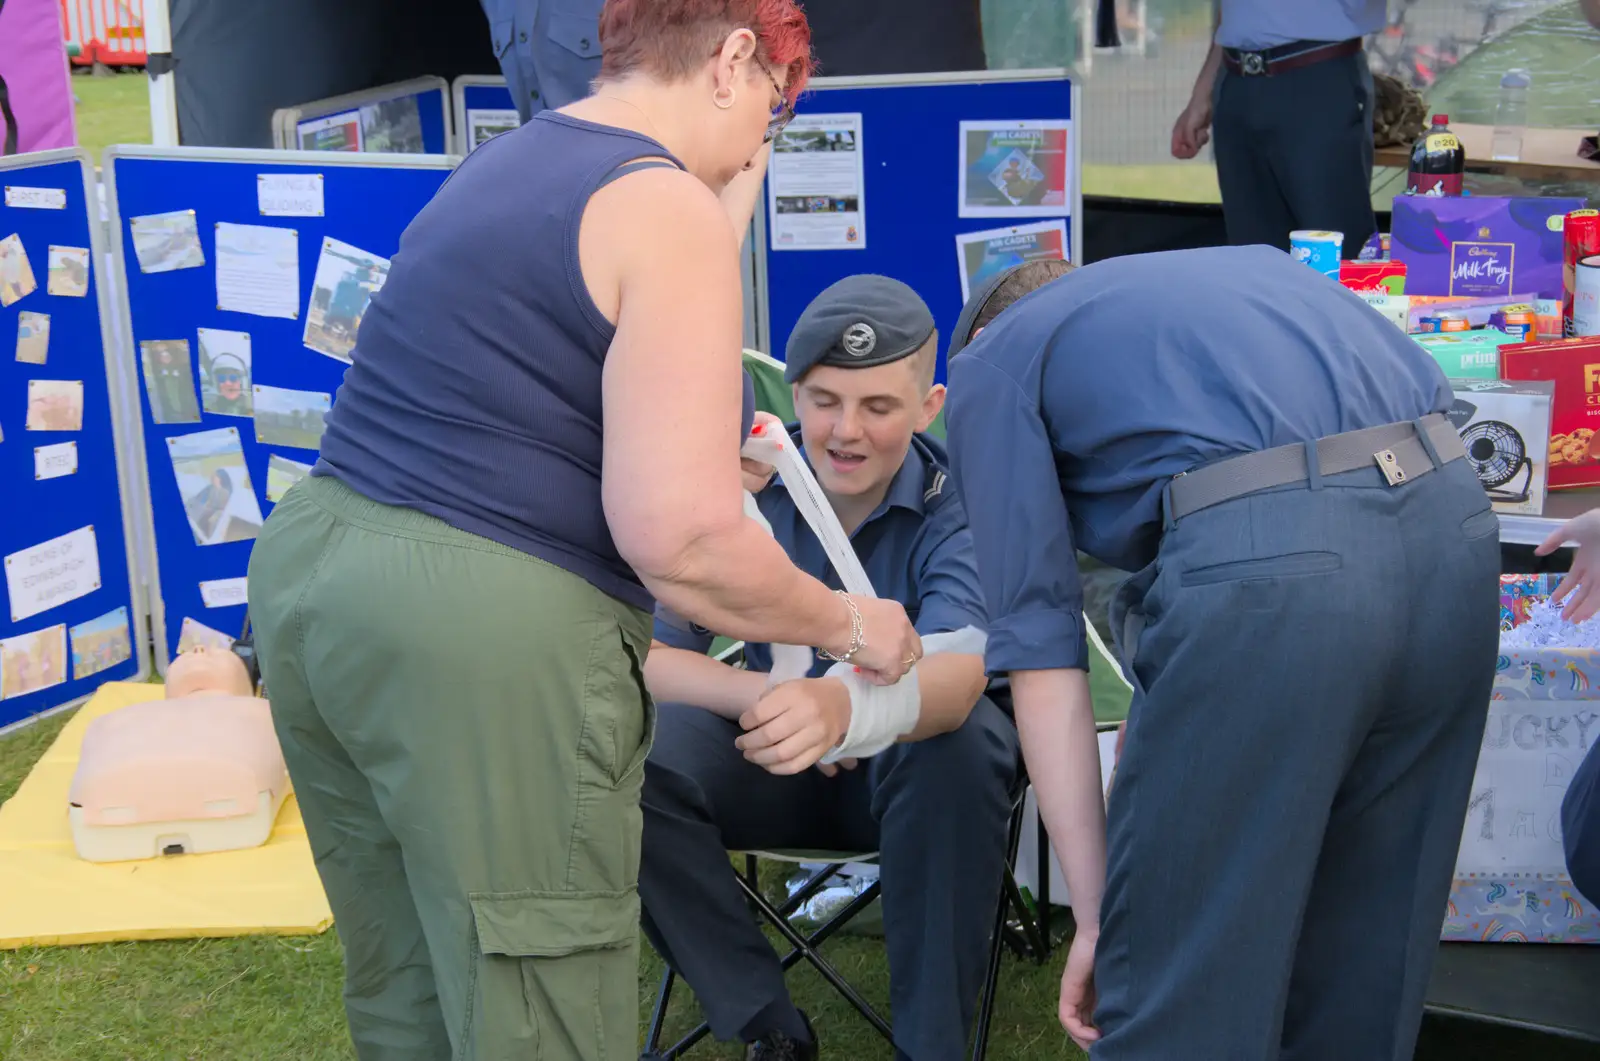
(880, 715)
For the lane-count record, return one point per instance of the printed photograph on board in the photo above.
(55, 405)
(30, 663)
(984, 254)
(347, 278)
(215, 486)
(33, 337)
(394, 125)
(225, 372)
(283, 473)
(164, 243)
(16, 272)
(69, 271)
(101, 644)
(290, 417)
(192, 633)
(169, 381)
(1015, 169)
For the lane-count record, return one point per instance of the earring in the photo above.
(716, 97)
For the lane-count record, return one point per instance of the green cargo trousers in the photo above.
(465, 728)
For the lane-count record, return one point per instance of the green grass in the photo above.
(277, 999)
(113, 109)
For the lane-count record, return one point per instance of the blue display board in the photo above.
(72, 618)
(483, 107)
(365, 203)
(408, 117)
(910, 141)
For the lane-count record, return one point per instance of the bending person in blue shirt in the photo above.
(732, 763)
(1311, 633)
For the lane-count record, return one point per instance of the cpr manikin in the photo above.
(198, 771)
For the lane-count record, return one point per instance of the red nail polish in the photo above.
(758, 429)
(857, 670)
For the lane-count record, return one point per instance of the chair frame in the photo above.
(1024, 936)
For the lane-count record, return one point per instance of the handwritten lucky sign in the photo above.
(52, 573)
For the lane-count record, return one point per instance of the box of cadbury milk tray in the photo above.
(1480, 246)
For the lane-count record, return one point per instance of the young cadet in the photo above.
(1311, 636)
(732, 763)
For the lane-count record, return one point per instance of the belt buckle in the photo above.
(1252, 64)
(1389, 465)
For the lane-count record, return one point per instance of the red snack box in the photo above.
(1574, 366)
(1388, 277)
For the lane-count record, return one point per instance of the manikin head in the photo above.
(861, 360)
(204, 670)
(715, 78)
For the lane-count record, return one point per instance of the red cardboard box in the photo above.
(1574, 366)
(1388, 277)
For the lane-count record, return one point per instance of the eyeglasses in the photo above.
(783, 113)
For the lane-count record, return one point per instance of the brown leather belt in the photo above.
(1401, 452)
(1286, 57)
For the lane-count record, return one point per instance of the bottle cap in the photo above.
(1441, 119)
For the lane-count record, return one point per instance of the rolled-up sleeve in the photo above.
(950, 595)
(1005, 471)
(674, 631)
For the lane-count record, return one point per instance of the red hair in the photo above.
(672, 39)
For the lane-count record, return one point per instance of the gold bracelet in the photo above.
(858, 635)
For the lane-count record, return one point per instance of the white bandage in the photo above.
(882, 714)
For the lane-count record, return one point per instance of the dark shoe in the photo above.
(780, 1046)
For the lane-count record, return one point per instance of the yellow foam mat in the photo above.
(50, 897)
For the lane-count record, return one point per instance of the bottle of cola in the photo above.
(1437, 161)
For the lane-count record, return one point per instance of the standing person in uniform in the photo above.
(1311, 635)
(1287, 91)
(452, 611)
(549, 53)
(731, 769)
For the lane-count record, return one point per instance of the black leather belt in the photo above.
(1286, 57)
(1399, 451)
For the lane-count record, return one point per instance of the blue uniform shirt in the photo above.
(549, 50)
(915, 548)
(1261, 24)
(1069, 413)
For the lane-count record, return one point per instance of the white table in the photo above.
(1559, 506)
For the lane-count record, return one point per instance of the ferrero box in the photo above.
(1573, 365)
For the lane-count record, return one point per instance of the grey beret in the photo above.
(858, 322)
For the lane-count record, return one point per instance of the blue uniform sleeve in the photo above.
(950, 596)
(675, 631)
(1005, 471)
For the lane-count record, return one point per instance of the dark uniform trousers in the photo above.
(936, 810)
(1294, 151)
(1312, 670)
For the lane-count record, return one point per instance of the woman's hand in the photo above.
(795, 724)
(1578, 587)
(891, 646)
(756, 475)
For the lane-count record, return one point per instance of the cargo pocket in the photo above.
(577, 33)
(556, 976)
(619, 716)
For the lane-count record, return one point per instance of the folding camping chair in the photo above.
(1021, 933)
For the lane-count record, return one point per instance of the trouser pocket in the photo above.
(556, 977)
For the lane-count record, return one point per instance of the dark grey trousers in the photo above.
(1312, 670)
(1294, 150)
(936, 810)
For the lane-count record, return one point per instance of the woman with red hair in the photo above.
(536, 440)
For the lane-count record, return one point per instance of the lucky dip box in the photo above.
(1481, 245)
(1511, 883)
(1573, 365)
